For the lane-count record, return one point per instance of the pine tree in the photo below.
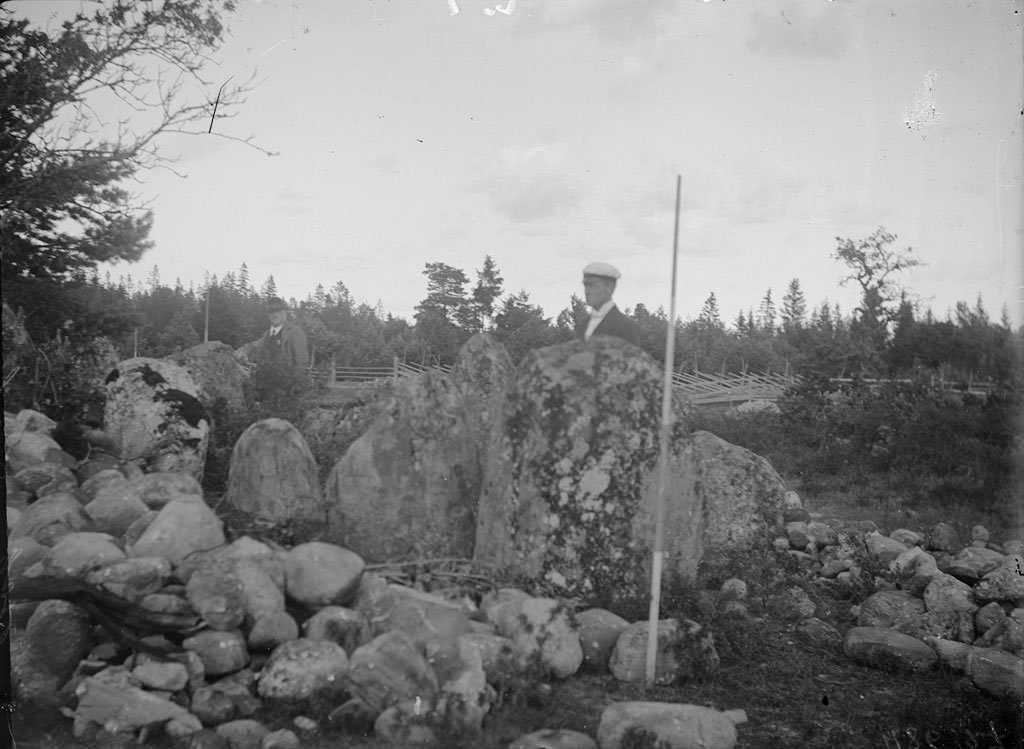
(794, 307)
(269, 288)
(766, 313)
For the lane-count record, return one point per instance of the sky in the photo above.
(551, 134)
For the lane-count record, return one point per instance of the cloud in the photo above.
(796, 31)
(530, 183)
(292, 202)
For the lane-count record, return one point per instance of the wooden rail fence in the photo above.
(699, 388)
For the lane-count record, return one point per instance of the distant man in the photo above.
(284, 344)
(605, 318)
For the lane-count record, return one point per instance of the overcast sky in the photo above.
(552, 135)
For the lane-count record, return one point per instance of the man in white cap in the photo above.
(605, 318)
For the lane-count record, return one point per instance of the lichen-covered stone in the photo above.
(569, 498)
(408, 488)
(684, 649)
(217, 374)
(273, 474)
(154, 415)
(390, 670)
(303, 669)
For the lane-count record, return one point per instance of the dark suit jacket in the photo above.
(292, 349)
(614, 323)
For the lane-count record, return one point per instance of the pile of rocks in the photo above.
(932, 599)
(305, 628)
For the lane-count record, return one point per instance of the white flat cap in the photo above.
(602, 269)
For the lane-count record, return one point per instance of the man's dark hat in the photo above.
(275, 304)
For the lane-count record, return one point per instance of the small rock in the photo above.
(796, 533)
(792, 604)
(243, 734)
(272, 631)
(979, 533)
(221, 652)
(791, 501)
(51, 518)
(304, 669)
(181, 527)
(390, 670)
(684, 649)
(972, 563)
(882, 549)
(215, 593)
(988, 616)
(543, 632)
(169, 677)
(306, 725)
(212, 706)
(77, 554)
(207, 739)
(157, 489)
(668, 725)
(599, 630)
(46, 478)
(281, 739)
(733, 589)
(61, 635)
(1005, 583)
(183, 725)
(796, 515)
(819, 633)
(822, 534)
(320, 574)
(943, 537)
(996, 672)
(132, 578)
(889, 608)
(337, 624)
(907, 537)
(115, 508)
(951, 654)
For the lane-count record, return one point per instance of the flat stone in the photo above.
(549, 738)
(888, 649)
(132, 578)
(888, 608)
(168, 677)
(668, 725)
(996, 672)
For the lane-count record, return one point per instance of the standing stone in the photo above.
(569, 496)
(154, 414)
(273, 475)
(408, 488)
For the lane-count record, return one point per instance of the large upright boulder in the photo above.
(408, 488)
(154, 414)
(274, 476)
(483, 373)
(570, 494)
(218, 375)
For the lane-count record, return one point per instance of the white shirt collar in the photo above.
(275, 331)
(599, 312)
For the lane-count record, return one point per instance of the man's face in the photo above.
(597, 289)
(277, 317)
